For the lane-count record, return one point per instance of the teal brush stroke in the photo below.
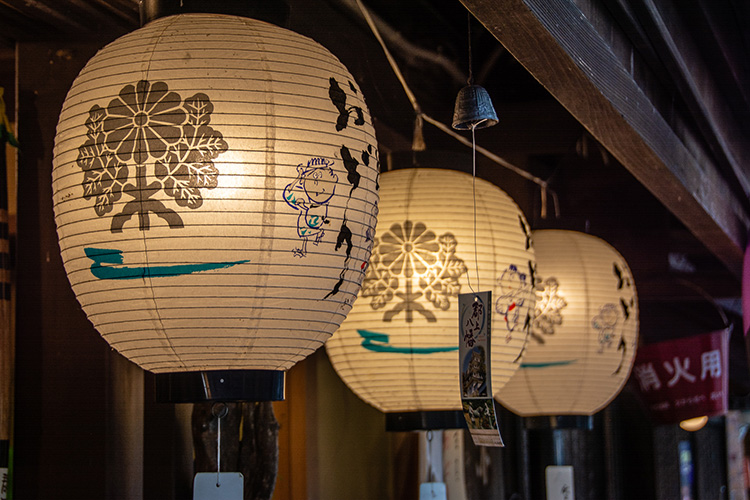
(547, 365)
(378, 342)
(102, 256)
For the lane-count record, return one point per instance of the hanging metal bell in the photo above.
(473, 109)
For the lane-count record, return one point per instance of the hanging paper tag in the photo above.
(213, 486)
(559, 481)
(432, 491)
(474, 368)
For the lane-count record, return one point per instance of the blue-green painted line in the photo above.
(547, 365)
(107, 265)
(379, 342)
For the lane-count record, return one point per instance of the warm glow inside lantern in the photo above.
(215, 193)
(398, 348)
(585, 330)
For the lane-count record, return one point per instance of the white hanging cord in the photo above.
(442, 127)
(218, 454)
(430, 472)
(219, 410)
(474, 191)
(489, 154)
(474, 199)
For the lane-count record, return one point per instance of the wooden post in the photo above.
(7, 344)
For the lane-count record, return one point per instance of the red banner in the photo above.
(684, 378)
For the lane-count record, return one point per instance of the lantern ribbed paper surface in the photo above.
(215, 193)
(398, 348)
(585, 330)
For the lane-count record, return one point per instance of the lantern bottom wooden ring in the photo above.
(424, 421)
(220, 385)
(582, 422)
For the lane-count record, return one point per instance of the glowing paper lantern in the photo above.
(398, 348)
(585, 329)
(215, 193)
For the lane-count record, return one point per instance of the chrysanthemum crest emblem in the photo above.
(146, 140)
(409, 263)
(548, 310)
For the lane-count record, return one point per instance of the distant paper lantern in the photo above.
(215, 193)
(398, 348)
(585, 329)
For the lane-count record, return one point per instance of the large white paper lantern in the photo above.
(398, 348)
(585, 330)
(215, 193)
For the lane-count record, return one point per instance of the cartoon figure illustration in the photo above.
(310, 193)
(514, 286)
(606, 323)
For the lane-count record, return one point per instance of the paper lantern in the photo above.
(398, 348)
(215, 193)
(585, 330)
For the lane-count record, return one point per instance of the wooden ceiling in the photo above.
(636, 113)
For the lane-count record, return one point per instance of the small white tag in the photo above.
(213, 486)
(560, 482)
(432, 491)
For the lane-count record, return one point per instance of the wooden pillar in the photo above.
(291, 482)
(59, 407)
(7, 337)
(168, 448)
(77, 428)
(124, 460)
(554, 442)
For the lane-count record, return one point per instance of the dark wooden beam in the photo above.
(29, 20)
(693, 76)
(684, 287)
(560, 47)
(45, 12)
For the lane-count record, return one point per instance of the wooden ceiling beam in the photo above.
(694, 78)
(45, 12)
(560, 47)
(29, 20)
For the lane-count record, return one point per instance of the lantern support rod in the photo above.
(418, 141)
